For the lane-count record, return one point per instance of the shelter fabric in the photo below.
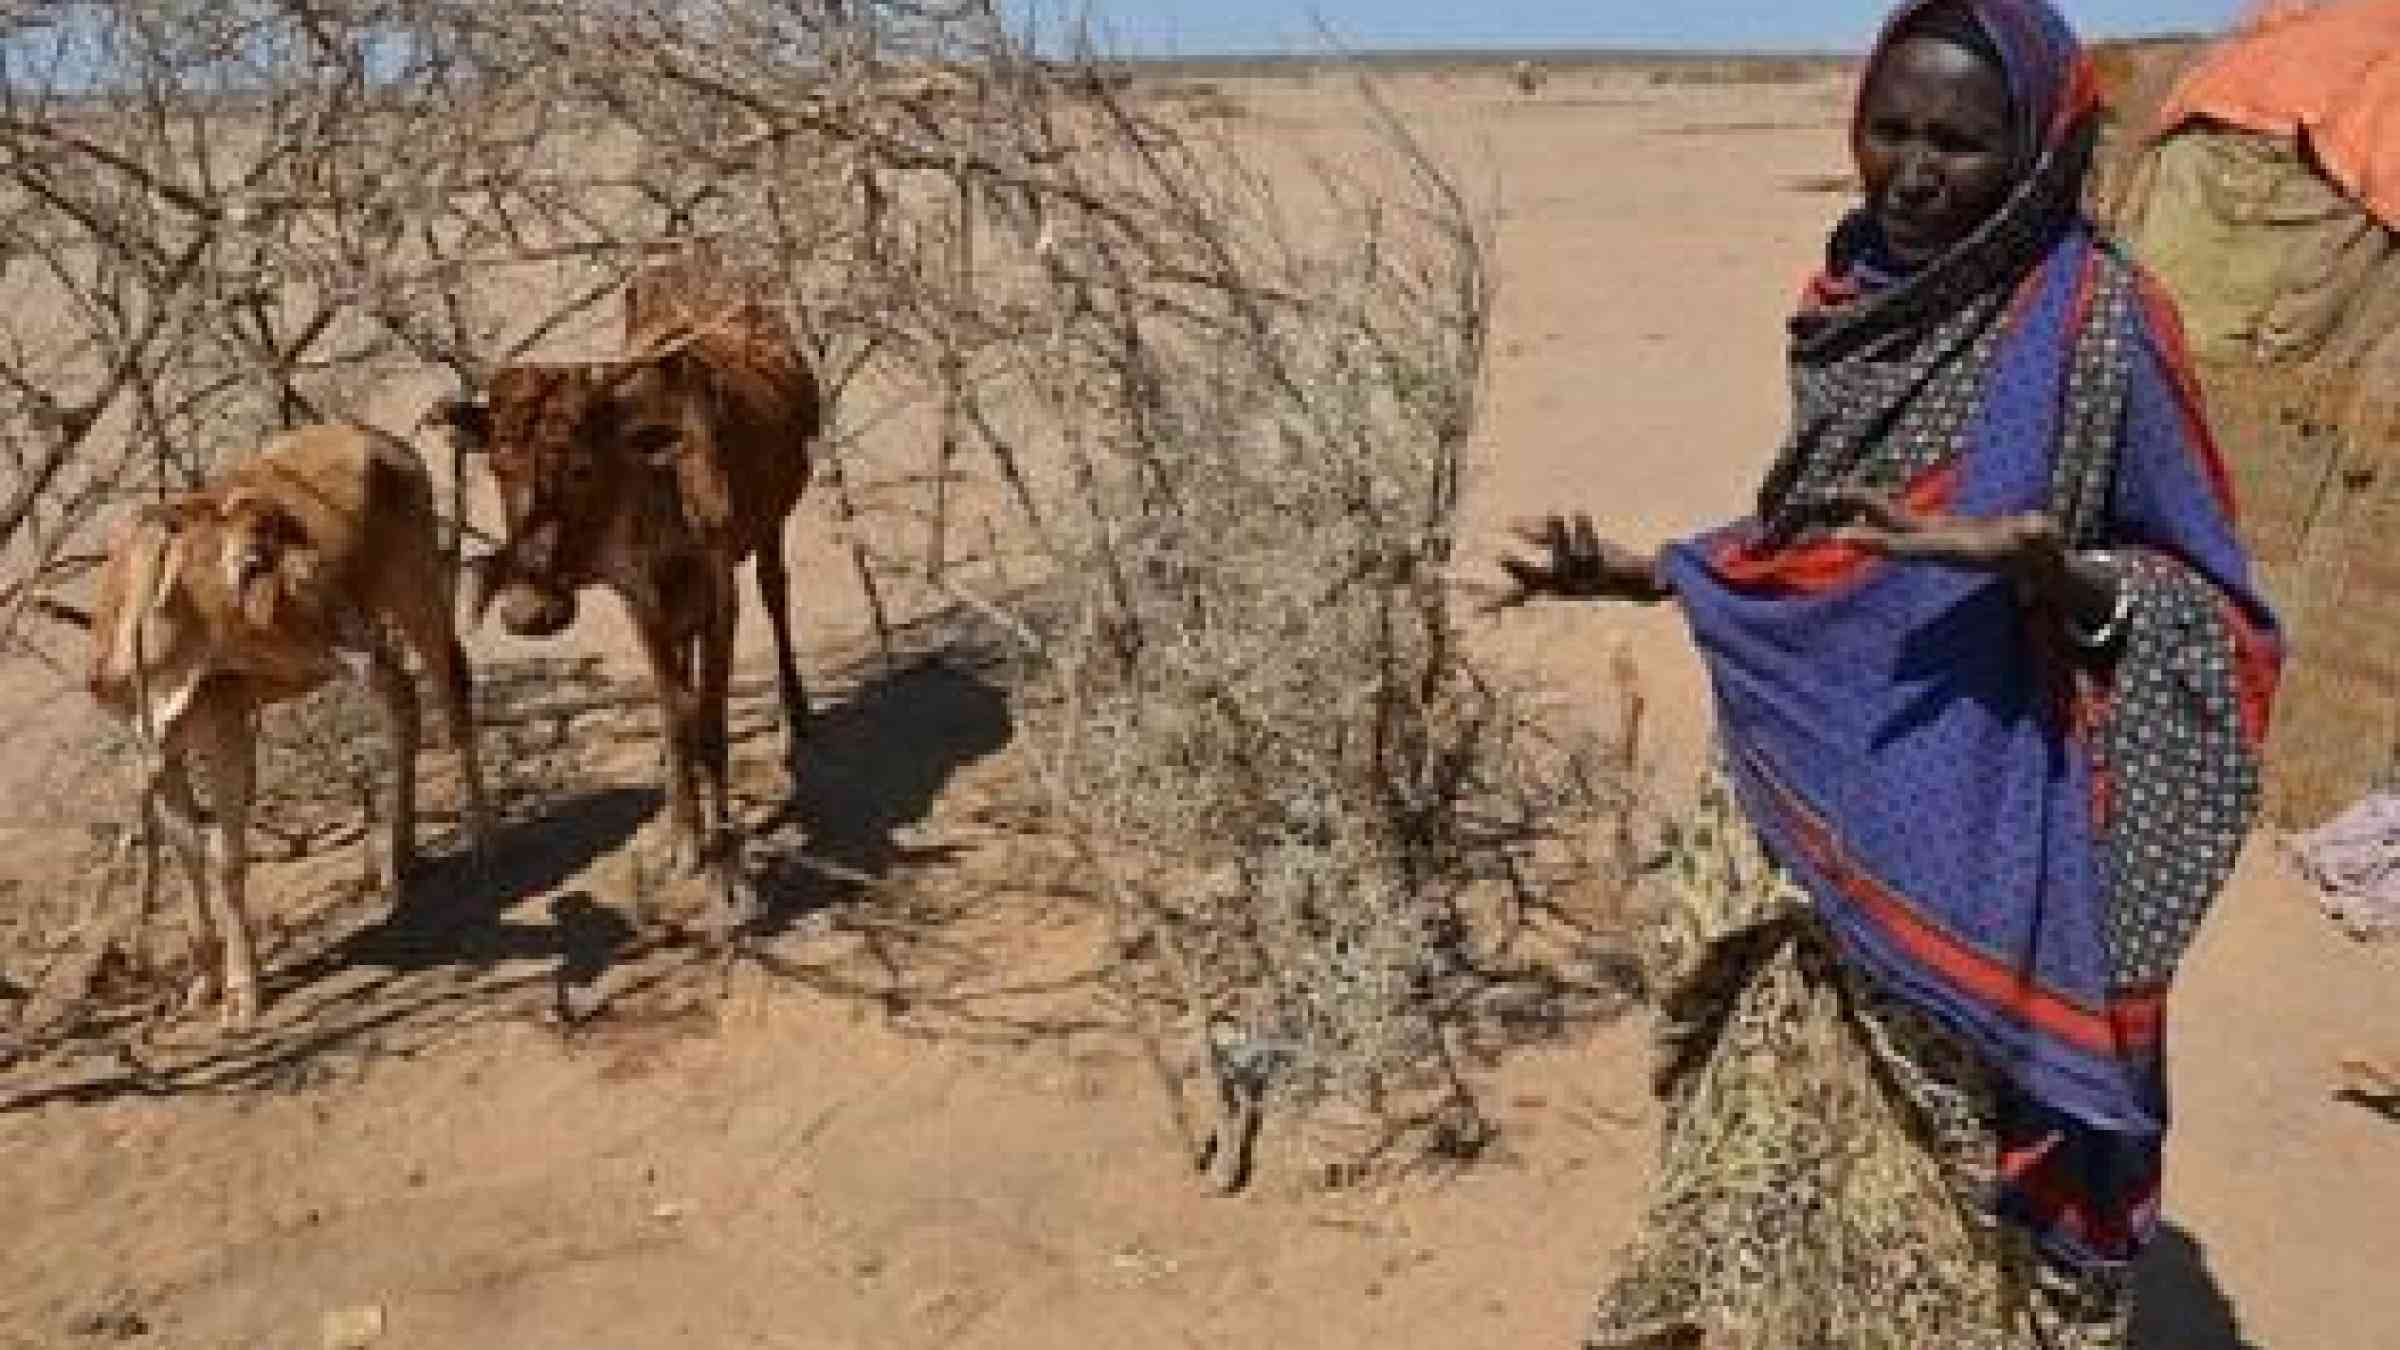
(2354, 860)
(2329, 73)
(2266, 257)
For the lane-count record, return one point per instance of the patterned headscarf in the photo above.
(1886, 370)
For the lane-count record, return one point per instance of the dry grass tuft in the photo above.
(1739, 72)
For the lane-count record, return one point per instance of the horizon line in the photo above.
(1299, 51)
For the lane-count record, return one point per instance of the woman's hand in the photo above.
(1577, 564)
(2028, 549)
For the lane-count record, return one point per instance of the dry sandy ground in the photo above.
(900, 1137)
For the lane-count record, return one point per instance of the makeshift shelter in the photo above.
(2267, 199)
(2270, 193)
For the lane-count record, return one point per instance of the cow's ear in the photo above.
(470, 420)
(174, 552)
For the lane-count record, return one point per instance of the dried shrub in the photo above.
(1265, 735)
(1221, 424)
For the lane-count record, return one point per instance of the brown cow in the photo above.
(298, 564)
(657, 475)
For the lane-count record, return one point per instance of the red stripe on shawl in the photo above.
(2089, 708)
(2104, 796)
(2166, 328)
(2081, 97)
(2258, 656)
(2128, 1023)
(2028, 290)
(2257, 671)
(2079, 313)
(2055, 1202)
(2079, 699)
(1826, 290)
(1818, 565)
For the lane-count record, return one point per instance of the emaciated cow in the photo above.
(656, 475)
(295, 565)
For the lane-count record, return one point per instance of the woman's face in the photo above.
(1934, 146)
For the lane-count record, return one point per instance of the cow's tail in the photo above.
(149, 592)
(129, 585)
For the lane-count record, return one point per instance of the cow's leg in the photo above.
(436, 644)
(670, 671)
(397, 694)
(774, 595)
(456, 681)
(220, 736)
(714, 687)
(169, 808)
(715, 744)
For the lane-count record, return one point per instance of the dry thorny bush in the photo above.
(1228, 443)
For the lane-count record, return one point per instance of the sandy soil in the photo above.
(900, 1134)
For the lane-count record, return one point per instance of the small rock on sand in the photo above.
(353, 1328)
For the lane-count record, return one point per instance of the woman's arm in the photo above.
(2088, 590)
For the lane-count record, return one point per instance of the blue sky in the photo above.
(1196, 27)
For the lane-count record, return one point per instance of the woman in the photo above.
(1990, 680)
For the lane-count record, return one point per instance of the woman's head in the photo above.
(1936, 142)
(1959, 101)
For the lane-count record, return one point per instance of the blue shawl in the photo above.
(2015, 837)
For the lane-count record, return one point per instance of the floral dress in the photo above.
(1825, 1146)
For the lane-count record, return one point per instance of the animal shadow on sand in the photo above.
(863, 908)
(871, 766)
(872, 763)
(447, 953)
(456, 912)
(2178, 1304)
(496, 938)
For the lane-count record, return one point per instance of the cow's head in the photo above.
(266, 558)
(569, 447)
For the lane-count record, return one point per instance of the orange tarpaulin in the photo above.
(2331, 72)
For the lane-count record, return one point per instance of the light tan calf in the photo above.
(296, 565)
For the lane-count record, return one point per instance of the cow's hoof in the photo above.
(686, 858)
(198, 993)
(739, 909)
(240, 1012)
(392, 882)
